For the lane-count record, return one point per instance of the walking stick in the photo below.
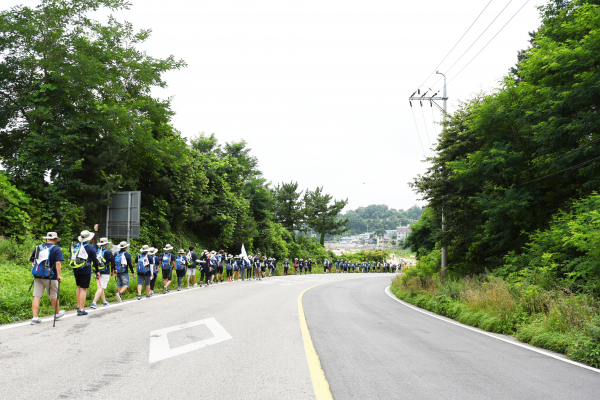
(56, 304)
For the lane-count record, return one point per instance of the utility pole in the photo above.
(432, 102)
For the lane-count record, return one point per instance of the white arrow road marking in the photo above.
(159, 341)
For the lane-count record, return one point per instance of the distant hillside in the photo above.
(379, 217)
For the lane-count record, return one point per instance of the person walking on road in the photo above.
(228, 267)
(154, 264)
(191, 267)
(82, 268)
(106, 260)
(180, 267)
(144, 271)
(310, 264)
(167, 264)
(296, 264)
(286, 267)
(204, 267)
(123, 265)
(46, 261)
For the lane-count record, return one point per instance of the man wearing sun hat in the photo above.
(167, 263)
(83, 274)
(123, 266)
(106, 260)
(144, 271)
(54, 260)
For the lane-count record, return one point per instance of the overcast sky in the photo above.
(319, 89)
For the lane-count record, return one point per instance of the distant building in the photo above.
(403, 231)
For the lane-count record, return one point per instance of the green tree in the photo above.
(289, 207)
(322, 216)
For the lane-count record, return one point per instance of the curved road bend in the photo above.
(372, 347)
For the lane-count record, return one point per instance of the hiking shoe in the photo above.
(35, 321)
(106, 304)
(81, 312)
(93, 305)
(60, 314)
(164, 289)
(148, 296)
(195, 285)
(179, 289)
(119, 298)
(139, 297)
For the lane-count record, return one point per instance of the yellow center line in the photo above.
(320, 384)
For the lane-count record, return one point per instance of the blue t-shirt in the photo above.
(55, 255)
(194, 258)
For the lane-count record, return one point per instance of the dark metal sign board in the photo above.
(122, 215)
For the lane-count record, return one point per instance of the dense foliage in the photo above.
(508, 161)
(78, 122)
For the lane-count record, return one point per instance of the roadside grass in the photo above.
(556, 320)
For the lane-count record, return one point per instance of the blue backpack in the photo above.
(166, 261)
(43, 269)
(121, 268)
(141, 268)
(180, 262)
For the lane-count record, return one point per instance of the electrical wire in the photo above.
(453, 47)
(563, 155)
(583, 164)
(479, 52)
(426, 131)
(418, 134)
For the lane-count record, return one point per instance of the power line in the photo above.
(417, 126)
(511, 18)
(583, 164)
(478, 37)
(435, 69)
(426, 131)
(563, 155)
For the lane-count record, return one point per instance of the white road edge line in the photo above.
(523, 345)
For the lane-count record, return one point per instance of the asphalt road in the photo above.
(372, 347)
(107, 354)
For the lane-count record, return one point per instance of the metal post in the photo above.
(128, 215)
(444, 248)
(107, 213)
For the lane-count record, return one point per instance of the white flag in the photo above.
(82, 253)
(244, 255)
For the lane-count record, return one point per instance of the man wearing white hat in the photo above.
(167, 263)
(83, 272)
(154, 263)
(106, 260)
(144, 271)
(123, 266)
(47, 277)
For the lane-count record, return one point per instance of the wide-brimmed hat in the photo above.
(123, 245)
(51, 236)
(103, 241)
(181, 251)
(153, 251)
(145, 248)
(168, 247)
(295, 259)
(86, 236)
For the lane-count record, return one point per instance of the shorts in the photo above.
(263, 269)
(167, 274)
(83, 280)
(220, 270)
(39, 285)
(122, 280)
(103, 281)
(143, 280)
(191, 271)
(180, 273)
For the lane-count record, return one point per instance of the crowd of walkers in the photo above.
(90, 257)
